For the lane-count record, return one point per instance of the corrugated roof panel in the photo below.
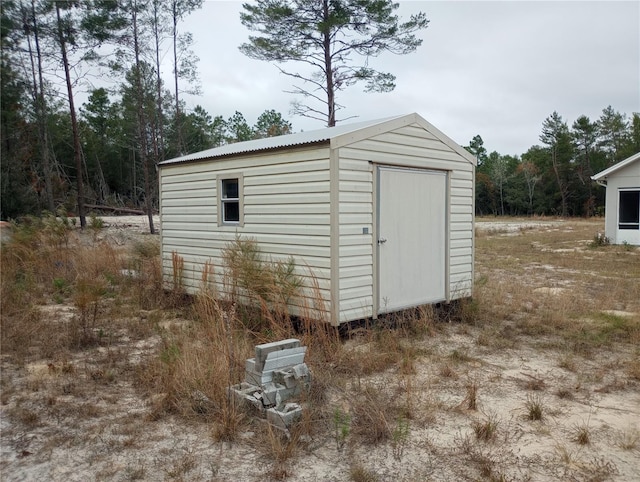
(298, 139)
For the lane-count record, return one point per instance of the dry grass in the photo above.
(470, 401)
(629, 440)
(533, 302)
(487, 429)
(582, 434)
(198, 361)
(279, 449)
(358, 473)
(373, 414)
(102, 318)
(46, 265)
(535, 407)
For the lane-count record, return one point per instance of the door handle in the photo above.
(382, 240)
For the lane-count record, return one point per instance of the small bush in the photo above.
(600, 240)
(628, 439)
(144, 275)
(342, 427)
(197, 363)
(280, 449)
(146, 249)
(400, 437)
(96, 223)
(251, 282)
(564, 393)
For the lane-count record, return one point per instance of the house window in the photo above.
(629, 210)
(230, 205)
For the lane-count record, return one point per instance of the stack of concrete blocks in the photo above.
(276, 374)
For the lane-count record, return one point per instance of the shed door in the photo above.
(412, 237)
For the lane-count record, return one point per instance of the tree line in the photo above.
(554, 178)
(55, 153)
(58, 155)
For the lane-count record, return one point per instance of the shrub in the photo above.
(600, 240)
(95, 223)
(252, 281)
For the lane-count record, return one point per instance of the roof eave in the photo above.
(396, 123)
(610, 170)
(266, 150)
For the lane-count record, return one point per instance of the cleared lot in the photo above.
(537, 379)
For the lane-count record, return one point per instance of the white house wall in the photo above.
(624, 178)
(409, 146)
(286, 210)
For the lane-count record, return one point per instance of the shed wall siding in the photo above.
(356, 249)
(286, 210)
(410, 146)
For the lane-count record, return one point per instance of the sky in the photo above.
(496, 69)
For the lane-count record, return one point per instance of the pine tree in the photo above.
(327, 35)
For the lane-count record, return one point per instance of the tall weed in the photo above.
(252, 281)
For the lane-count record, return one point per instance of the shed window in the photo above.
(230, 200)
(629, 210)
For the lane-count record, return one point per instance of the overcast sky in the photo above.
(497, 69)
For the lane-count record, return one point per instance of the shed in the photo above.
(378, 216)
(622, 201)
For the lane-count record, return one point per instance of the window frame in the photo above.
(625, 224)
(221, 201)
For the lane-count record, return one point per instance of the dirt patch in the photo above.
(515, 227)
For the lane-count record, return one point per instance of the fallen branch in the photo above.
(116, 209)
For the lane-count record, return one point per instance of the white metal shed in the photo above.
(622, 202)
(380, 213)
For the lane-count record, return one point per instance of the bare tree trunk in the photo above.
(142, 122)
(103, 189)
(74, 122)
(159, 112)
(178, 120)
(328, 70)
(561, 185)
(40, 106)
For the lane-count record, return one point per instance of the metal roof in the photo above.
(604, 174)
(298, 139)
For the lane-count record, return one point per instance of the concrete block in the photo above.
(284, 418)
(284, 377)
(246, 395)
(276, 374)
(258, 378)
(301, 371)
(261, 351)
(274, 395)
(284, 358)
